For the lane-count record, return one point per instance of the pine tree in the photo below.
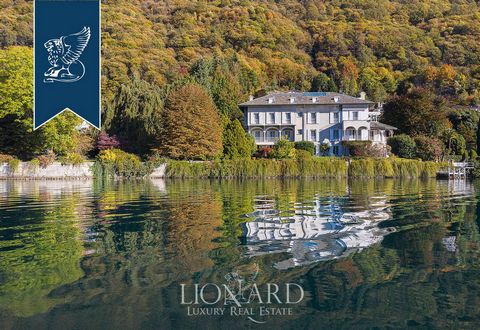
(191, 125)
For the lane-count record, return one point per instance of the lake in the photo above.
(252, 254)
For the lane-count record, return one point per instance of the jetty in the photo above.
(459, 170)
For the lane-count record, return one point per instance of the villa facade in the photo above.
(314, 116)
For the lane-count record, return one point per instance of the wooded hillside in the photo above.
(374, 45)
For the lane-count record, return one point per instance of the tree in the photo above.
(191, 125)
(17, 136)
(457, 144)
(465, 122)
(418, 112)
(236, 142)
(403, 146)
(428, 148)
(283, 148)
(134, 115)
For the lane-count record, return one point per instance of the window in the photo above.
(350, 133)
(336, 135)
(256, 118)
(288, 118)
(335, 150)
(272, 135)
(355, 115)
(271, 118)
(300, 132)
(313, 118)
(258, 135)
(313, 135)
(288, 134)
(336, 117)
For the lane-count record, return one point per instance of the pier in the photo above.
(459, 170)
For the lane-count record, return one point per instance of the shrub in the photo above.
(428, 148)
(305, 145)
(362, 168)
(120, 163)
(393, 167)
(357, 148)
(105, 141)
(320, 167)
(301, 154)
(13, 162)
(72, 159)
(47, 159)
(283, 149)
(263, 152)
(403, 146)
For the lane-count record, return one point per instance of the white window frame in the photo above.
(313, 117)
(270, 121)
(256, 118)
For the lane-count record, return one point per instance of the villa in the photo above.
(315, 117)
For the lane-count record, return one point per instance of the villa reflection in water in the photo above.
(324, 232)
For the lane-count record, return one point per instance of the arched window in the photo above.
(273, 135)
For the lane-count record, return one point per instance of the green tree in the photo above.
(283, 148)
(403, 146)
(418, 112)
(191, 125)
(236, 142)
(134, 115)
(17, 136)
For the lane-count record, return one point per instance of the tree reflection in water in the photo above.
(96, 255)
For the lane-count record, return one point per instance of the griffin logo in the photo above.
(63, 56)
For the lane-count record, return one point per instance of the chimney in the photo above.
(363, 96)
(251, 97)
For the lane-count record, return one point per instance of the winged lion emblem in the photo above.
(63, 56)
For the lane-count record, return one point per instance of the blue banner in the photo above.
(67, 60)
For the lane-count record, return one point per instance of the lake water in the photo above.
(297, 254)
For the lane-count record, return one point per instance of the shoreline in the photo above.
(315, 167)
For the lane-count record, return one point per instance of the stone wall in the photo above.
(58, 171)
(55, 171)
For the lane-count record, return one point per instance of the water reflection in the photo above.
(384, 253)
(313, 231)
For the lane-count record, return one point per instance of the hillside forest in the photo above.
(419, 58)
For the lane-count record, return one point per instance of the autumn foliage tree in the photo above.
(419, 112)
(191, 125)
